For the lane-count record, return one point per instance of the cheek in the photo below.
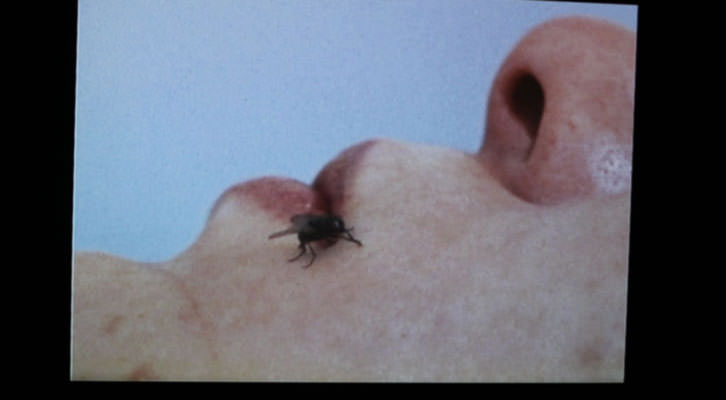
(560, 114)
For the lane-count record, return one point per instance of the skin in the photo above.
(509, 264)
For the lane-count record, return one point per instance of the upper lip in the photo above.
(334, 182)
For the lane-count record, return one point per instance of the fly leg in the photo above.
(312, 258)
(304, 246)
(350, 238)
(302, 251)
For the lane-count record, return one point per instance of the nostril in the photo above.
(559, 117)
(526, 102)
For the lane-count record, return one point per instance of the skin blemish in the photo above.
(143, 372)
(591, 356)
(610, 167)
(192, 316)
(111, 327)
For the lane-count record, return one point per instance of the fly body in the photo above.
(315, 227)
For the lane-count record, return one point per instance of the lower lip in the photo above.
(281, 197)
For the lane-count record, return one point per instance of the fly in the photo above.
(314, 227)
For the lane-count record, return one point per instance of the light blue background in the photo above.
(178, 100)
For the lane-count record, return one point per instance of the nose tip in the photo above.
(560, 113)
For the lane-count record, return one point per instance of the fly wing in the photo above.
(300, 220)
(288, 231)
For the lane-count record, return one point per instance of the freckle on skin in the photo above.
(112, 325)
(143, 372)
(590, 355)
(192, 316)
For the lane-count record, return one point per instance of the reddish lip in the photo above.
(334, 181)
(285, 197)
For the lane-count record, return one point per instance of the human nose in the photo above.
(560, 113)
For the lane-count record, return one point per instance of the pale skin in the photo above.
(509, 264)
